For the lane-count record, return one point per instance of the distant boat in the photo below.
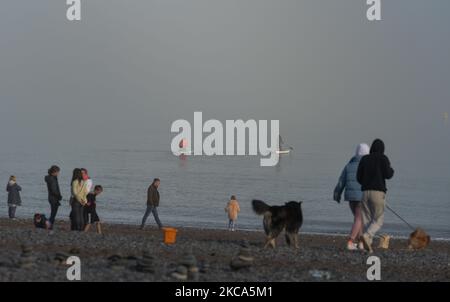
(283, 151)
(281, 148)
(183, 145)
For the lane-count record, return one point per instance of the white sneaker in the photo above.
(360, 246)
(351, 246)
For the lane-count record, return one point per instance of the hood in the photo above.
(362, 149)
(377, 146)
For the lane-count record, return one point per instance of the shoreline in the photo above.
(309, 233)
(320, 257)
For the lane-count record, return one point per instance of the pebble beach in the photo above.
(124, 253)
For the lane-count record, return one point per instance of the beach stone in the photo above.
(245, 254)
(114, 258)
(117, 262)
(181, 273)
(188, 260)
(243, 259)
(193, 273)
(237, 264)
(204, 267)
(146, 264)
(319, 274)
(26, 260)
(4, 262)
(26, 249)
(61, 257)
(74, 251)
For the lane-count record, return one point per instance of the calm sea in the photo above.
(194, 191)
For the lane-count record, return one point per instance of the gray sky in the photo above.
(120, 77)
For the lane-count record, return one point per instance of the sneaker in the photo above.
(361, 246)
(366, 242)
(351, 246)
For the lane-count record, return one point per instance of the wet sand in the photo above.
(118, 254)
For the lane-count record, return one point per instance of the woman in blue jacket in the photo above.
(353, 193)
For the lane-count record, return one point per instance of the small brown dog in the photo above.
(418, 240)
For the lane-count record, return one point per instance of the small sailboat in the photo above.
(281, 148)
(183, 145)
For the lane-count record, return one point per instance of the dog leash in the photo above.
(395, 213)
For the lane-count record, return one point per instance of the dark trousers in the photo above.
(77, 216)
(12, 212)
(53, 211)
(151, 209)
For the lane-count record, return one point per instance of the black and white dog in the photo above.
(278, 218)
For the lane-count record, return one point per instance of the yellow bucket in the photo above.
(170, 235)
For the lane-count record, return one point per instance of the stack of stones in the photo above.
(187, 268)
(146, 264)
(61, 258)
(26, 258)
(204, 267)
(243, 259)
(117, 262)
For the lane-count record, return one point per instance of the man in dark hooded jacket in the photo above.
(373, 170)
(54, 193)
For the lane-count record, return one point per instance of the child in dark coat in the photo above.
(14, 199)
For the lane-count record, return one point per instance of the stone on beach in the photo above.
(243, 259)
(60, 257)
(187, 265)
(26, 258)
(181, 273)
(146, 264)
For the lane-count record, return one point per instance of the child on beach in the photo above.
(232, 209)
(353, 195)
(91, 210)
(87, 179)
(14, 199)
(41, 222)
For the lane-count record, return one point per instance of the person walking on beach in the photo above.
(373, 170)
(90, 210)
(353, 194)
(152, 203)
(14, 199)
(232, 209)
(54, 193)
(78, 200)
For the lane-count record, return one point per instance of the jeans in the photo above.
(53, 211)
(12, 212)
(77, 217)
(231, 224)
(151, 209)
